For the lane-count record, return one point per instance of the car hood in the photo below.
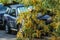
(2, 12)
(6, 15)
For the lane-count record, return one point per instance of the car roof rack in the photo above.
(16, 6)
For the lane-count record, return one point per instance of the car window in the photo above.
(22, 9)
(12, 12)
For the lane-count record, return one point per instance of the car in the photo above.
(11, 16)
(47, 18)
(3, 10)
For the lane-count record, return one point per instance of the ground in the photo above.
(4, 36)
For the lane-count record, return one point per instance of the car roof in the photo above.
(16, 6)
(45, 17)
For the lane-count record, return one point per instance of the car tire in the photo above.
(19, 26)
(7, 29)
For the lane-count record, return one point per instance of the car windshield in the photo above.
(1, 4)
(3, 8)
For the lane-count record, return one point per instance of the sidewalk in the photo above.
(4, 36)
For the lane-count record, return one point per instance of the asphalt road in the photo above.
(4, 36)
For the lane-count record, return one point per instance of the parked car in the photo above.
(46, 18)
(11, 16)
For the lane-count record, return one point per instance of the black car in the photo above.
(11, 16)
(47, 18)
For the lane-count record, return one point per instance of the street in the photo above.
(4, 36)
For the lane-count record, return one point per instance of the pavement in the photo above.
(4, 36)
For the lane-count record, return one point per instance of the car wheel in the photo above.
(7, 29)
(19, 26)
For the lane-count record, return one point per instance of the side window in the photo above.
(23, 9)
(12, 12)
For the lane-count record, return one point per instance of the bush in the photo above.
(35, 28)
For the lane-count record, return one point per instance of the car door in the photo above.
(12, 18)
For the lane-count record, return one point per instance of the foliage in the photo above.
(58, 30)
(33, 27)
